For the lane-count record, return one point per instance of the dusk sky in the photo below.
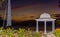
(31, 9)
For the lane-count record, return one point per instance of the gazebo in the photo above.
(45, 17)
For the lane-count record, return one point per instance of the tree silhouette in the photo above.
(58, 21)
(1, 21)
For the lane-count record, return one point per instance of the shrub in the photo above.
(2, 32)
(9, 32)
(29, 33)
(21, 32)
(38, 34)
(57, 32)
(18, 33)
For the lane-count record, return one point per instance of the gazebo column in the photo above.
(53, 26)
(45, 27)
(36, 26)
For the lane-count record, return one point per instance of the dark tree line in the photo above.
(30, 23)
(1, 21)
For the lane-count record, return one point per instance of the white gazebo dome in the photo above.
(45, 16)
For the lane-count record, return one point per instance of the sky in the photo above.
(30, 9)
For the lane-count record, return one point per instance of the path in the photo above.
(48, 35)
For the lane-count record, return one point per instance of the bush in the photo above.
(57, 32)
(21, 32)
(38, 34)
(18, 33)
(9, 32)
(29, 33)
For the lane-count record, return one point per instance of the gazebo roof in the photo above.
(45, 16)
